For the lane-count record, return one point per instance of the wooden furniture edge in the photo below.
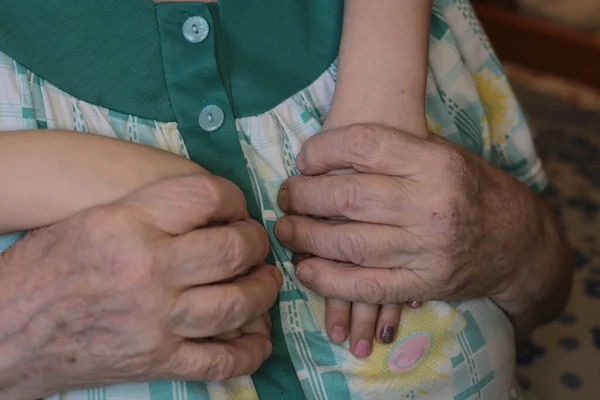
(540, 45)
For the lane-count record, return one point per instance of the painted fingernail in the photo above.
(305, 274)
(283, 198)
(299, 257)
(414, 304)
(283, 230)
(387, 334)
(362, 349)
(338, 334)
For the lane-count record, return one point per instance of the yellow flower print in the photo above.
(501, 109)
(433, 126)
(233, 389)
(417, 361)
(171, 128)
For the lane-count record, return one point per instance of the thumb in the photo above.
(219, 361)
(180, 205)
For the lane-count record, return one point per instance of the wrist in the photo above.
(344, 114)
(538, 289)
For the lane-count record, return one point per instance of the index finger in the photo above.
(218, 361)
(210, 310)
(179, 205)
(365, 148)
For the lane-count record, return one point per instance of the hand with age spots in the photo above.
(165, 283)
(424, 220)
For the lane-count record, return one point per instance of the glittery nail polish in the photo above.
(386, 336)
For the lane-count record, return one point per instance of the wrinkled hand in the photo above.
(135, 290)
(428, 220)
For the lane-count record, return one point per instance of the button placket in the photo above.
(195, 30)
(200, 100)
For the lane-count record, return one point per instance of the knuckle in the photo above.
(211, 190)
(451, 162)
(362, 140)
(222, 365)
(353, 247)
(236, 251)
(346, 195)
(310, 240)
(234, 304)
(369, 290)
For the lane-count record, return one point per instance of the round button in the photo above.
(195, 29)
(211, 118)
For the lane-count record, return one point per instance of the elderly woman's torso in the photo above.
(148, 72)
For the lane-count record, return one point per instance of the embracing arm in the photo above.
(382, 75)
(49, 175)
(383, 65)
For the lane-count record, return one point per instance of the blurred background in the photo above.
(551, 51)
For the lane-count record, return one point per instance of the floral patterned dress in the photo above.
(459, 350)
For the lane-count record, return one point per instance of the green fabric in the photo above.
(106, 52)
(131, 57)
(193, 85)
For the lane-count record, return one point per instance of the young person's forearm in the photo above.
(383, 64)
(48, 175)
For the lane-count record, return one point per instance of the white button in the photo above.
(195, 29)
(211, 118)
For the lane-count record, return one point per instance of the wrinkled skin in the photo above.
(427, 221)
(139, 289)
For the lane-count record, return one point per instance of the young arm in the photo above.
(383, 65)
(381, 80)
(48, 175)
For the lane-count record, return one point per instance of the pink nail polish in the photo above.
(414, 304)
(362, 349)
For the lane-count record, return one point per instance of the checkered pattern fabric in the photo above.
(460, 350)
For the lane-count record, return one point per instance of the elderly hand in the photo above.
(136, 290)
(428, 220)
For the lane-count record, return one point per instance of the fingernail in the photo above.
(300, 163)
(387, 334)
(362, 349)
(414, 304)
(283, 230)
(268, 348)
(305, 274)
(297, 258)
(283, 198)
(338, 334)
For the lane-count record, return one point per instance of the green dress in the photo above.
(238, 86)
